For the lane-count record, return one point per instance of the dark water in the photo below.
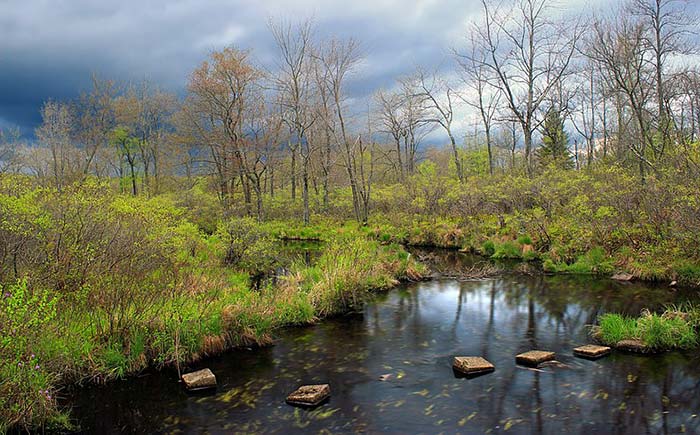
(412, 333)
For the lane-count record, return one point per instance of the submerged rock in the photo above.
(622, 276)
(472, 365)
(534, 357)
(199, 380)
(591, 351)
(554, 363)
(309, 395)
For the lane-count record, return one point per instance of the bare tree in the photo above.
(150, 110)
(264, 129)
(618, 46)
(527, 54)
(487, 98)
(338, 59)
(416, 120)
(326, 130)
(391, 121)
(586, 107)
(439, 99)
(667, 25)
(56, 133)
(294, 80)
(222, 94)
(95, 120)
(9, 139)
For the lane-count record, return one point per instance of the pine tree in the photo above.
(555, 142)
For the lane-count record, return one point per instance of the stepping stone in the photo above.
(534, 357)
(591, 351)
(636, 346)
(309, 395)
(199, 380)
(472, 365)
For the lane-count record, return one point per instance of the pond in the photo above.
(411, 334)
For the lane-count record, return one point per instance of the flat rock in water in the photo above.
(472, 365)
(591, 351)
(623, 276)
(199, 380)
(534, 357)
(554, 363)
(636, 346)
(309, 395)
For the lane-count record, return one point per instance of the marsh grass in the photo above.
(671, 330)
(206, 306)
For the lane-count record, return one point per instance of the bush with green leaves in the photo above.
(248, 247)
(27, 393)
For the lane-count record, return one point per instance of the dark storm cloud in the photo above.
(50, 48)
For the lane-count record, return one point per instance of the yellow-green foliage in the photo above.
(100, 285)
(590, 221)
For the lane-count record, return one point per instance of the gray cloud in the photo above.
(50, 48)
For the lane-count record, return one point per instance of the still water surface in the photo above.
(411, 334)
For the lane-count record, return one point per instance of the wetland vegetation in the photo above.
(144, 232)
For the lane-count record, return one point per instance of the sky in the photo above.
(50, 48)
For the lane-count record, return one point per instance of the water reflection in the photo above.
(411, 334)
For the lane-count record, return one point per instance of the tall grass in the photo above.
(661, 332)
(204, 307)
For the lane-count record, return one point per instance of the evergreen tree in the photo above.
(555, 142)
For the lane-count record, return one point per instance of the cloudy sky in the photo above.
(49, 48)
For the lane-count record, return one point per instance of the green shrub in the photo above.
(248, 247)
(525, 240)
(689, 273)
(507, 250)
(488, 248)
(549, 266)
(27, 394)
(595, 261)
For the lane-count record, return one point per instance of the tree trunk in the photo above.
(527, 132)
(305, 191)
(488, 148)
(132, 165)
(294, 175)
(458, 164)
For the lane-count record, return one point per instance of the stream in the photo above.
(408, 337)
